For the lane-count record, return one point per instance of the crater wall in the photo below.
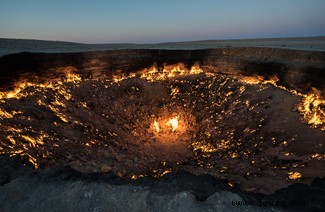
(299, 70)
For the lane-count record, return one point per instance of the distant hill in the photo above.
(10, 46)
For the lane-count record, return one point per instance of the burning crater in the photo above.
(247, 129)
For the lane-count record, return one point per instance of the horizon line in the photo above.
(166, 42)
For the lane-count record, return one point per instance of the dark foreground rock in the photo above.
(64, 189)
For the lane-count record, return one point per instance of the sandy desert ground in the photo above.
(10, 46)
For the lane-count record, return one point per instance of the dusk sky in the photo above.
(154, 21)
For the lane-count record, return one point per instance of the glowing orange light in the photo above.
(173, 123)
(156, 124)
(294, 175)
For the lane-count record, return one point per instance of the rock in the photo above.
(88, 194)
(4, 179)
(106, 153)
(119, 174)
(119, 157)
(105, 168)
(127, 126)
(63, 190)
(88, 151)
(75, 164)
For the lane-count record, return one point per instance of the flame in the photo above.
(294, 175)
(71, 77)
(254, 80)
(156, 124)
(318, 156)
(173, 123)
(5, 114)
(312, 111)
(311, 106)
(21, 86)
(154, 74)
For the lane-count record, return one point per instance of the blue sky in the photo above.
(154, 21)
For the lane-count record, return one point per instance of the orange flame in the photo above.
(156, 124)
(173, 123)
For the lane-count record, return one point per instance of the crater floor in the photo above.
(149, 123)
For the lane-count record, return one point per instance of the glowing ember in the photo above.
(294, 175)
(156, 124)
(154, 74)
(173, 123)
(311, 109)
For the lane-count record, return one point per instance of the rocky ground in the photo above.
(64, 189)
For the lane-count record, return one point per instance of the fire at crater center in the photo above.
(156, 121)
